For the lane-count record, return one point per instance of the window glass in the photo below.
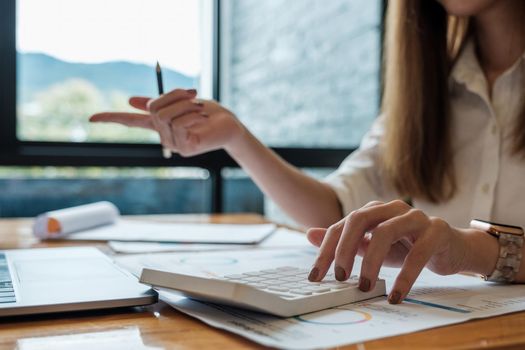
(29, 191)
(302, 73)
(240, 193)
(79, 57)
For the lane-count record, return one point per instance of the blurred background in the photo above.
(304, 76)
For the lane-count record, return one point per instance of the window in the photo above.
(302, 75)
(76, 58)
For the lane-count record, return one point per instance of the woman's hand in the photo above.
(394, 234)
(186, 126)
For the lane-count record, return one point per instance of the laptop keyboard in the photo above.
(7, 293)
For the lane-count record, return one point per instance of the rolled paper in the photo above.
(60, 223)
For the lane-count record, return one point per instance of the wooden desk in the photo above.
(161, 326)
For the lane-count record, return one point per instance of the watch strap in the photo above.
(509, 259)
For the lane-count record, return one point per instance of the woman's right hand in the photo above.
(186, 125)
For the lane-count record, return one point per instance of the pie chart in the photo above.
(335, 317)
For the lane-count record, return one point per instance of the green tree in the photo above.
(61, 112)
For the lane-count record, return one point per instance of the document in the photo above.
(281, 238)
(116, 339)
(101, 221)
(144, 231)
(433, 302)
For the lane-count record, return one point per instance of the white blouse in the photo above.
(490, 179)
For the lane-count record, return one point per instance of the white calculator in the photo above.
(283, 291)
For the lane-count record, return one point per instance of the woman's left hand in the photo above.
(394, 234)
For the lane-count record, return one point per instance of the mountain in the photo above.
(37, 72)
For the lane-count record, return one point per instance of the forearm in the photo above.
(308, 201)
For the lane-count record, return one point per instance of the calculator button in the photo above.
(287, 273)
(269, 271)
(252, 273)
(310, 284)
(287, 268)
(295, 278)
(7, 299)
(266, 282)
(278, 288)
(273, 280)
(253, 279)
(290, 278)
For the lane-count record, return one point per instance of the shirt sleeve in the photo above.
(360, 178)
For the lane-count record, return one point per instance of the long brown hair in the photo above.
(421, 44)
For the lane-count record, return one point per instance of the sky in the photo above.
(94, 31)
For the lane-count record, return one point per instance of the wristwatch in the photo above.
(510, 240)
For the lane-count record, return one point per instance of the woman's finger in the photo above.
(166, 136)
(327, 243)
(383, 237)
(165, 133)
(326, 252)
(128, 119)
(170, 98)
(316, 235)
(169, 113)
(188, 120)
(140, 102)
(414, 263)
(358, 223)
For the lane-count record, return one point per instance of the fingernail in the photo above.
(313, 274)
(192, 91)
(204, 114)
(394, 298)
(198, 104)
(364, 284)
(340, 273)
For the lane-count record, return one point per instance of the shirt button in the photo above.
(485, 188)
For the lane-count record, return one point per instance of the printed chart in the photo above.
(338, 316)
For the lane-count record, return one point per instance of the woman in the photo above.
(451, 139)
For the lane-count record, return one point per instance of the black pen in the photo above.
(159, 79)
(166, 153)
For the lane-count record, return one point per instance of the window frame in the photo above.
(14, 152)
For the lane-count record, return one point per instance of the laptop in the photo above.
(48, 280)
